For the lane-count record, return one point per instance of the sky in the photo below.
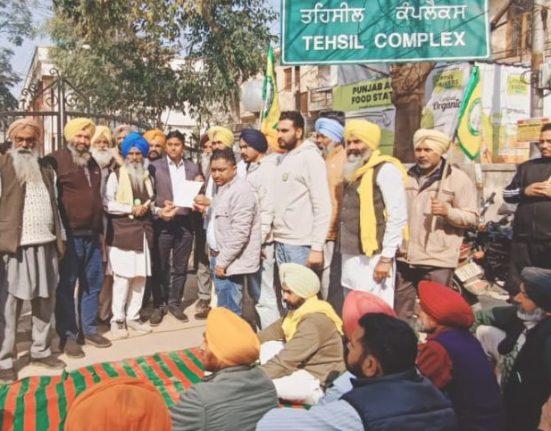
(23, 54)
(41, 12)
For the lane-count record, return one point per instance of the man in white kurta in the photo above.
(374, 212)
(128, 199)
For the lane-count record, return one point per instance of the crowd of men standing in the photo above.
(318, 218)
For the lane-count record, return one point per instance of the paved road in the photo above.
(170, 335)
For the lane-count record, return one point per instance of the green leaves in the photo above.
(15, 26)
(135, 45)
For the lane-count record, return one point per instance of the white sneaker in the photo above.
(118, 330)
(138, 326)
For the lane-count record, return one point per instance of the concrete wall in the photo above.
(495, 177)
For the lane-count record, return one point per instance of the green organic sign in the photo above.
(374, 31)
(362, 95)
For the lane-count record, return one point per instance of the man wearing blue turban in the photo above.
(329, 137)
(128, 201)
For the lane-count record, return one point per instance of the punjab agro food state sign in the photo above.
(362, 95)
(374, 31)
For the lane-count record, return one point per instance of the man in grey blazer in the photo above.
(173, 229)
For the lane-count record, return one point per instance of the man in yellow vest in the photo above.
(374, 212)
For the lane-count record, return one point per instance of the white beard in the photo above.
(103, 157)
(25, 163)
(80, 159)
(325, 151)
(353, 163)
(137, 173)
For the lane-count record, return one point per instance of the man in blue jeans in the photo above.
(80, 206)
(233, 231)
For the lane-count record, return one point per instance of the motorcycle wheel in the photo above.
(459, 288)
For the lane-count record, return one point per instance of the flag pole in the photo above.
(474, 83)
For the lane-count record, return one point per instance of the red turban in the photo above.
(445, 305)
(357, 304)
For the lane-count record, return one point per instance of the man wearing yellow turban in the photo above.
(80, 201)
(432, 255)
(237, 393)
(312, 334)
(373, 214)
(220, 137)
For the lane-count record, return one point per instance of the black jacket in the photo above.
(533, 216)
(529, 384)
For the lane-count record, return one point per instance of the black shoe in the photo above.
(157, 316)
(178, 313)
(97, 340)
(50, 362)
(73, 349)
(202, 309)
(9, 375)
(202, 304)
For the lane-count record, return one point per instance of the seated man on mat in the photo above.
(303, 351)
(237, 394)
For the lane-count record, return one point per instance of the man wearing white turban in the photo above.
(432, 254)
(31, 242)
(302, 352)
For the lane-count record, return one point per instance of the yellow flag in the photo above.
(270, 114)
(470, 113)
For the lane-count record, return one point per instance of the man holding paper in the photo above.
(174, 227)
(530, 188)
(128, 200)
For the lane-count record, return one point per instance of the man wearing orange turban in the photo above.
(156, 140)
(123, 403)
(453, 359)
(237, 393)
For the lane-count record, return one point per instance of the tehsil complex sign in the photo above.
(365, 31)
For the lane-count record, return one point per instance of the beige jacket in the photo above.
(439, 248)
(316, 347)
(301, 197)
(261, 177)
(335, 161)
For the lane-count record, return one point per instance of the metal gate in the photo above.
(52, 102)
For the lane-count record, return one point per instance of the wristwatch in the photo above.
(385, 259)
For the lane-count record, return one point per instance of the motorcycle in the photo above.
(484, 256)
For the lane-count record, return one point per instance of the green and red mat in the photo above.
(40, 403)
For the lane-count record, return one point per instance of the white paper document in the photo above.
(185, 192)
